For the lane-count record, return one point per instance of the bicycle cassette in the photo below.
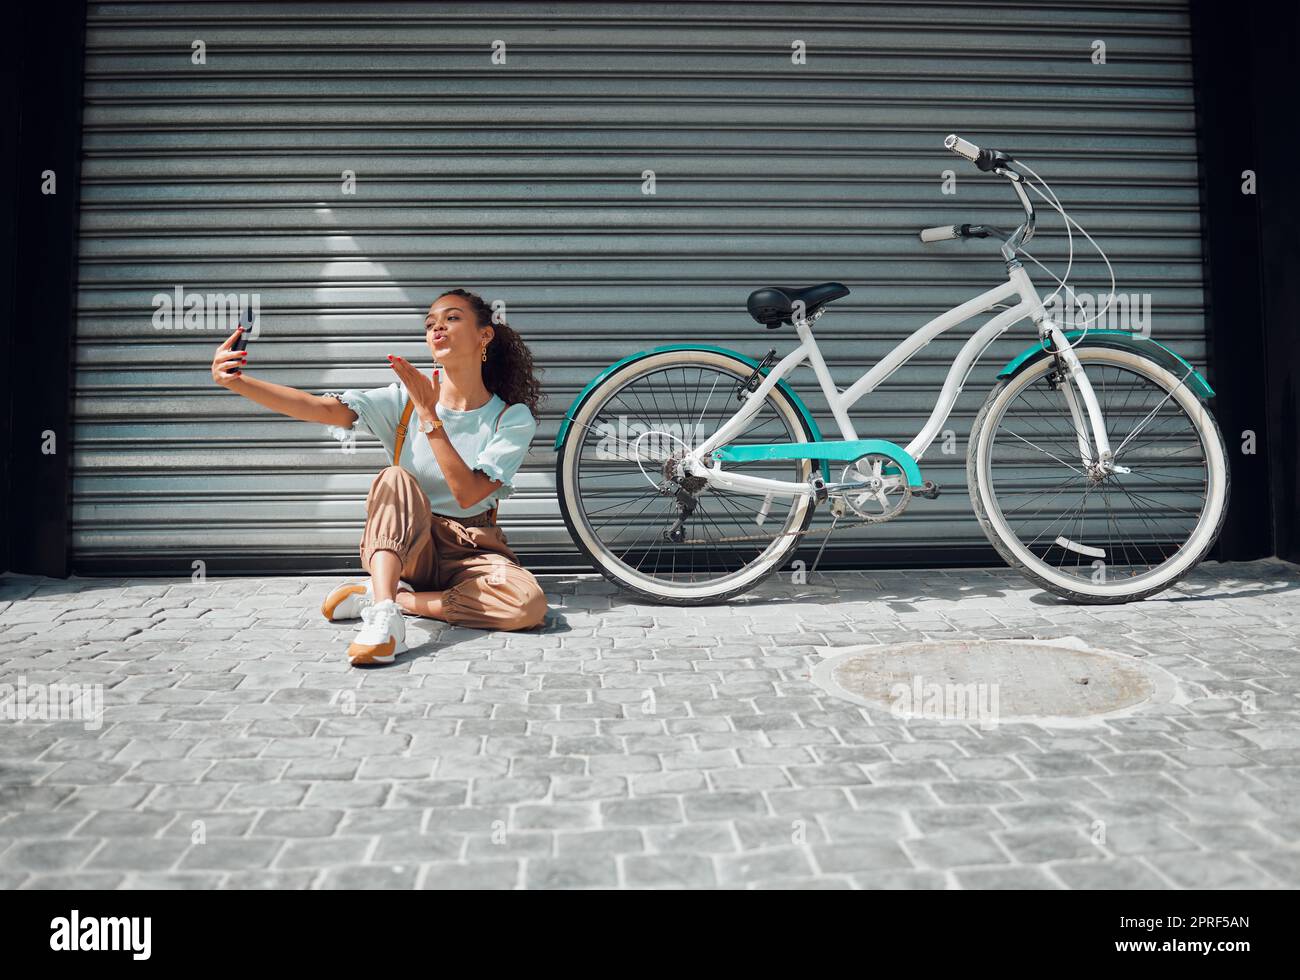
(884, 494)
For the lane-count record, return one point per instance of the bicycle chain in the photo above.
(835, 526)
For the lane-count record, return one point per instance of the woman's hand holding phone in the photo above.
(228, 361)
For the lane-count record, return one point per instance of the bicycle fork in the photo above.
(1086, 416)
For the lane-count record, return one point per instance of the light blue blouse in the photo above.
(498, 449)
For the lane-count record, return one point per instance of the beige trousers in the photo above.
(482, 583)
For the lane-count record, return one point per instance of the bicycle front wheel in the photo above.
(675, 542)
(1091, 538)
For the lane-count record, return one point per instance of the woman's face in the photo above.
(452, 331)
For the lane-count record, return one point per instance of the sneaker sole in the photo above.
(335, 599)
(363, 654)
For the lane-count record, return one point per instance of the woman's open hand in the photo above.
(423, 389)
(226, 363)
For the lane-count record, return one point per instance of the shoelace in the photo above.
(380, 617)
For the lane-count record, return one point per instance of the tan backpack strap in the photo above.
(402, 426)
(492, 514)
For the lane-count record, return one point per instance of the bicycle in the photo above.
(1094, 467)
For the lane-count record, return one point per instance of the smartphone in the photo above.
(241, 342)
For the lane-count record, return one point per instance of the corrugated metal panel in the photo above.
(523, 181)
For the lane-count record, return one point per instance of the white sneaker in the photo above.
(382, 635)
(347, 601)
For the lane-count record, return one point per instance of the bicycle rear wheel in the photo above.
(1117, 538)
(622, 508)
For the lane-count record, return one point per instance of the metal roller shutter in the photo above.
(524, 181)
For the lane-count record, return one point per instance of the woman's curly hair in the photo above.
(509, 370)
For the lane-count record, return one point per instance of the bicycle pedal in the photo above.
(929, 490)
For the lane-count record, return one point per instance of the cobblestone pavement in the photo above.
(239, 750)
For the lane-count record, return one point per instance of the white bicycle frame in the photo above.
(1018, 285)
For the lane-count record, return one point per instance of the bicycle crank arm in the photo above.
(833, 488)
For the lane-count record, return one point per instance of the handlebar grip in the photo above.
(986, 160)
(963, 148)
(940, 234)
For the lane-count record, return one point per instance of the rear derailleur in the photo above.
(683, 488)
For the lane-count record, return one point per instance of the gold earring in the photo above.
(484, 357)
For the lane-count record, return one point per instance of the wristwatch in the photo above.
(428, 425)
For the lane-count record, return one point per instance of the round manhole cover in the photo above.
(994, 681)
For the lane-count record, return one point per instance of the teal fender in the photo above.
(799, 405)
(1119, 340)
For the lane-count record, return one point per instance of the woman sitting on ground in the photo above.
(431, 543)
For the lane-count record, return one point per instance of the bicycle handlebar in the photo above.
(986, 160)
(942, 233)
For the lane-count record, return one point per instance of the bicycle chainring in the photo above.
(887, 494)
